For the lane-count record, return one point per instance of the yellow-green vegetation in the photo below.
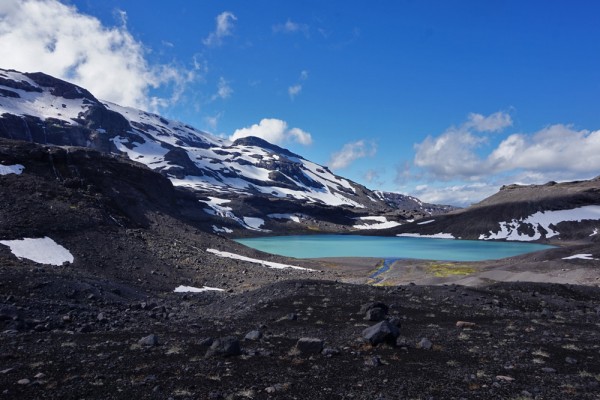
(385, 283)
(443, 270)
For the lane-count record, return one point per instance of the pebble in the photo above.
(504, 378)
(150, 340)
(253, 335)
(425, 344)
(23, 381)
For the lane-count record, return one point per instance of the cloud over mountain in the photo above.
(275, 131)
(49, 35)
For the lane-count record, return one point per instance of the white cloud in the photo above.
(555, 153)
(213, 120)
(351, 152)
(223, 29)
(461, 195)
(274, 131)
(224, 90)
(300, 136)
(450, 154)
(57, 39)
(294, 90)
(492, 123)
(373, 176)
(292, 27)
(555, 149)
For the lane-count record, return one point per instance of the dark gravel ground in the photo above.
(527, 341)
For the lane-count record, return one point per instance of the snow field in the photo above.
(42, 251)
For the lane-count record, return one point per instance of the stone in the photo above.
(330, 352)
(381, 332)
(570, 360)
(291, 317)
(375, 314)
(307, 345)
(228, 346)
(374, 361)
(150, 340)
(425, 344)
(253, 335)
(377, 304)
(23, 381)
(465, 324)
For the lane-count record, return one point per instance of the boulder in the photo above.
(382, 332)
(308, 345)
(375, 314)
(226, 347)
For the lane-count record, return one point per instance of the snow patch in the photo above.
(226, 212)
(542, 220)
(191, 289)
(42, 251)
(293, 217)
(268, 264)
(382, 223)
(580, 257)
(221, 229)
(434, 236)
(426, 222)
(254, 222)
(16, 169)
(595, 232)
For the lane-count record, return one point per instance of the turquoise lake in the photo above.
(317, 246)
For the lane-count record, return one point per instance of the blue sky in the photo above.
(446, 100)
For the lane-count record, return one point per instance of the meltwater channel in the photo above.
(319, 246)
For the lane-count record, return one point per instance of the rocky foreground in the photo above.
(109, 326)
(299, 340)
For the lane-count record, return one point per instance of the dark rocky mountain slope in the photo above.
(551, 212)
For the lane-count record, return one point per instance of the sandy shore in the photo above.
(543, 267)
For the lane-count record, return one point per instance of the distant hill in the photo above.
(553, 211)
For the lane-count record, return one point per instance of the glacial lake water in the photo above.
(317, 246)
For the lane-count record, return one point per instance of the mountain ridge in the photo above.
(36, 107)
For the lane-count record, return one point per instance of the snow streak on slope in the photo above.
(192, 289)
(434, 236)
(268, 264)
(542, 221)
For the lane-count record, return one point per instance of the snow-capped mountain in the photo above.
(406, 202)
(36, 107)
